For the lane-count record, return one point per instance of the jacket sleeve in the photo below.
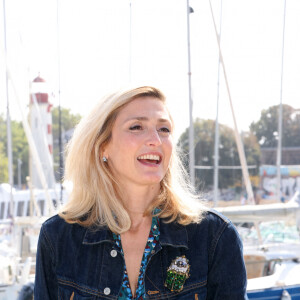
(227, 279)
(46, 287)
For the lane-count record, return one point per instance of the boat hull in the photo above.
(275, 293)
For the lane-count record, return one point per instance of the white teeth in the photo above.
(149, 156)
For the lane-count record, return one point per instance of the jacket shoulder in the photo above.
(53, 220)
(56, 228)
(55, 223)
(214, 216)
(211, 227)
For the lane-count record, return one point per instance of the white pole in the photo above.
(8, 125)
(191, 128)
(61, 155)
(279, 141)
(130, 40)
(216, 156)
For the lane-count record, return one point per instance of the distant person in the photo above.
(131, 228)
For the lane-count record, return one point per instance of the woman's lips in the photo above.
(150, 159)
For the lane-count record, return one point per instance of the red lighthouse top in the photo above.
(39, 90)
(39, 79)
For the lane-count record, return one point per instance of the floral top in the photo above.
(153, 238)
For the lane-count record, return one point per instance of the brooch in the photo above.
(177, 274)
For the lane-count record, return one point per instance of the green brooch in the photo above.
(177, 274)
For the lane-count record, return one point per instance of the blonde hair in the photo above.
(95, 199)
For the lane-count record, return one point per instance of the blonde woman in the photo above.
(131, 228)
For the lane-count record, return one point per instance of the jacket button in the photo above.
(113, 253)
(107, 291)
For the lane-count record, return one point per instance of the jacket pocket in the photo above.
(191, 292)
(69, 294)
(194, 294)
(69, 290)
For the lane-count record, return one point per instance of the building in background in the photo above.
(290, 172)
(41, 127)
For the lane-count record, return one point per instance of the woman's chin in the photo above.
(150, 180)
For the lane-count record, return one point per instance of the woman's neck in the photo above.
(137, 199)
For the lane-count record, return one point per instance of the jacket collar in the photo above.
(171, 234)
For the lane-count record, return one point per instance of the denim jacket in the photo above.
(78, 263)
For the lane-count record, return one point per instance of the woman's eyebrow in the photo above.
(162, 120)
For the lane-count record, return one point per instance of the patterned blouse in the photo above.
(153, 238)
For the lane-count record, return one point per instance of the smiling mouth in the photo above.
(150, 158)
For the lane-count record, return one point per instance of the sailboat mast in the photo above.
(191, 128)
(216, 151)
(60, 145)
(8, 123)
(279, 141)
(130, 41)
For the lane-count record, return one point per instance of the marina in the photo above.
(267, 219)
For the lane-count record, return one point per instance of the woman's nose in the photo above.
(153, 138)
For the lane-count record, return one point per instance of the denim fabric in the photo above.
(75, 263)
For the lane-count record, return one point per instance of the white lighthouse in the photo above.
(41, 127)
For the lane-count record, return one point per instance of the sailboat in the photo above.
(20, 223)
(21, 215)
(272, 249)
(273, 257)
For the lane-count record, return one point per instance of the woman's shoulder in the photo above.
(212, 222)
(56, 226)
(54, 222)
(213, 229)
(213, 216)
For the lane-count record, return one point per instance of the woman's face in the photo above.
(141, 144)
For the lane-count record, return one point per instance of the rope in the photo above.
(237, 136)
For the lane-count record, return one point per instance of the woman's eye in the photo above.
(165, 129)
(136, 127)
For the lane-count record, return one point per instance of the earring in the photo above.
(104, 159)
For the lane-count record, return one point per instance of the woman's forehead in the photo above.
(144, 108)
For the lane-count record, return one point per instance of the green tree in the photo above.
(20, 147)
(3, 156)
(68, 122)
(19, 150)
(204, 131)
(266, 128)
(3, 164)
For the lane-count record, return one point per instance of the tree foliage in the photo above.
(266, 128)
(3, 164)
(204, 139)
(68, 122)
(20, 149)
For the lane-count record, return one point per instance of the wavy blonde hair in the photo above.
(95, 199)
